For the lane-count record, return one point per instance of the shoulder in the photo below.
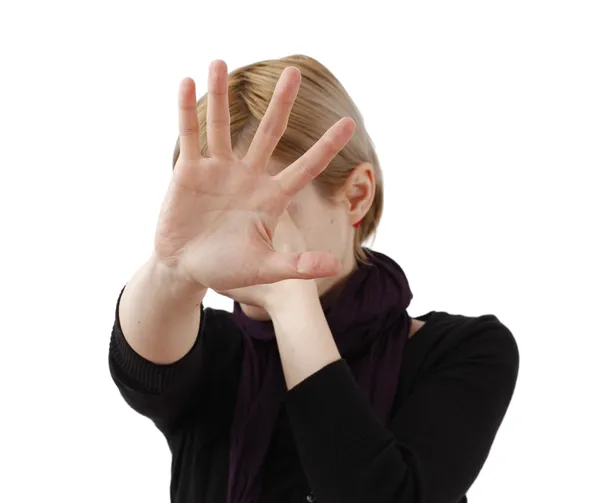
(448, 338)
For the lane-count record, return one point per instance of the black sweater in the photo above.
(458, 376)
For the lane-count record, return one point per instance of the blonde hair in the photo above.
(321, 101)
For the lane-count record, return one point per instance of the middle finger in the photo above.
(218, 130)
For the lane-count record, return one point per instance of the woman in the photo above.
(319, 386)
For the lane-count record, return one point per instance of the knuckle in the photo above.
(273, 127)
(218, 123)
(188, 130)
(217, 87)
(285, 189)
(187, 105)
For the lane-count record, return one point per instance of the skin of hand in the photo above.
(220, 212)
(287, 238)
(218, 220)
(303, 336)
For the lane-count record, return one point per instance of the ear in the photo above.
(359, 191)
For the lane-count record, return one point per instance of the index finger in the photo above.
(189, 131)
(316, 159)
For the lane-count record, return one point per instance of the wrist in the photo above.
(173, 279)
(290, 293)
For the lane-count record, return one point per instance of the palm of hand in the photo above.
(220, 213)
(217, 217)
(286, 238)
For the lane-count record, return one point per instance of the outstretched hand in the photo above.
(220, 212)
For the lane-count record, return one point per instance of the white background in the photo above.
(486, 117)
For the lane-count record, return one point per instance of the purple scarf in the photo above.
(370, 325)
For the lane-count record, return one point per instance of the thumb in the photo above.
(304, 265)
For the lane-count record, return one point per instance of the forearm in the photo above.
(159, 313)
(345, 449)
(305, 342)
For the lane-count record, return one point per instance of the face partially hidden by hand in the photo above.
(325, 225)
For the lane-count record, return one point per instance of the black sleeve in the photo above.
(434, 447)
(200, 387)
